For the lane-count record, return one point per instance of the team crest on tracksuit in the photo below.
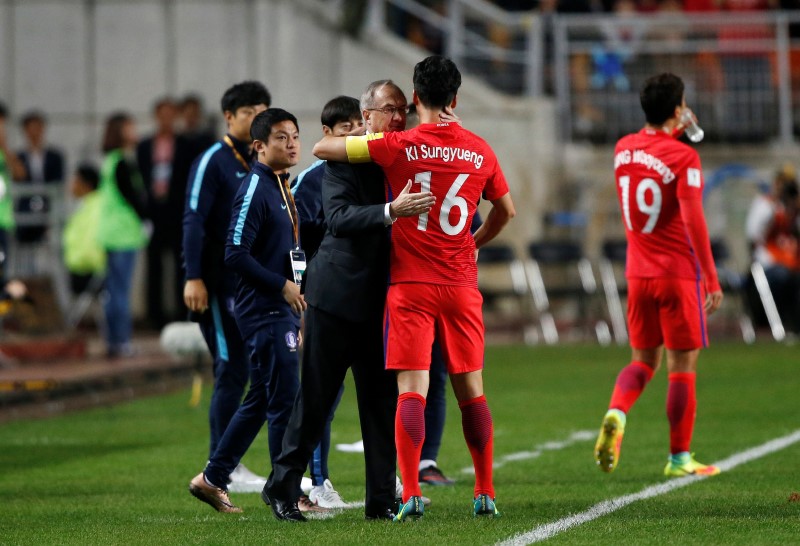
(291, 341)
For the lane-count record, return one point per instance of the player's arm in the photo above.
(350, 149)
(500, 214)
(695, 222)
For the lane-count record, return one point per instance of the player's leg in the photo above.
(646, 343)
(685, 333)
(323, 493)
(410, 315)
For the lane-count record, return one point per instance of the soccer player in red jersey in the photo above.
(433, 286)
(672, 280)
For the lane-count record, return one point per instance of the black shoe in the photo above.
(387, 514)
(433, 476)
(282, 509)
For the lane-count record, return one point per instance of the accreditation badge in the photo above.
(297, 259)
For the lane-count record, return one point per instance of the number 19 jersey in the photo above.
(653, 171)
(458, 167)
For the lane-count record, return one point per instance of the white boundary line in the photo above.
(548, 530)
(574, 438)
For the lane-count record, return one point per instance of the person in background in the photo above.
(194, 125)
(10, 168)
(209, 291)
(164, 159)
(121, 232)
(43, 164)
(772, 229)
(83, 255)
(672, 279)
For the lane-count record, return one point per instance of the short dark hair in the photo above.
(339, 109)
(263, 122)
(660, 96)
(163, 101)
(249, 93)
(436, 81)
(88, 173)
(31, 116)
(112, 136)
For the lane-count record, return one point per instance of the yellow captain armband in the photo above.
(357, 148)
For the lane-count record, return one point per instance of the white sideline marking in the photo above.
(575, 437)
(548, 530)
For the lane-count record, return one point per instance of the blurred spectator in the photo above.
(195, 125)
(121, 231)
(164, 159)
(43, 164)
(10, 167)
(83, 255)
(772, 229)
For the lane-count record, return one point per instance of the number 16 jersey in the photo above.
(458, 167)
(652, 172)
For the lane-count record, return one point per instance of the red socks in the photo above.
(681, 410)
(409, 434)
(631, 381)
(476, 420)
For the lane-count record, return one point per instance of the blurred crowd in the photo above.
(133, 200)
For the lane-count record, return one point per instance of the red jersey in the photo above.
(652, 171)
(458, 167)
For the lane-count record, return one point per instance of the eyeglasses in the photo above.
(392, 110)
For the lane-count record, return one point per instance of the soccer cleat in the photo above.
(688, 466)
(214, 496)
(326, 496)
(398, 493)
(305, 504)
(243, 480)
(433, 476)
(413, 508)
(609, 442)
(483, 505)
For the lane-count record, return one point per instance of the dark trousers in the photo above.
(318, 465)
(333, 344)
(435, 405)
(231, 367)
(274, 381)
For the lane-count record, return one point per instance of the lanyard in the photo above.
(236, 153)
(291, 209)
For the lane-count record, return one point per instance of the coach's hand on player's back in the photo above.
(411, 204)
(713, 301)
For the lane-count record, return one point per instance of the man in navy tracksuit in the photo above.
(214, 178)
(262, 246)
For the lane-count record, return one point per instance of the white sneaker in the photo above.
(245, 481)
(306, 485)
(326, 496)
(398, 492)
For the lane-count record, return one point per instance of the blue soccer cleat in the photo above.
(413, 508)
(484, 505)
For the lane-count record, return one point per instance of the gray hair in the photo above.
(368, 97)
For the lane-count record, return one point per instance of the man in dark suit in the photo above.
(164, 160)
(43, 164)
(345, 289)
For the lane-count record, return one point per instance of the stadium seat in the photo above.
(612, 276)
(501, 276)
(733, 286)
(558, 270)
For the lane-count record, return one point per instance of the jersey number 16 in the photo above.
(452, 199)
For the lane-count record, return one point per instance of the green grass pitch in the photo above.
(119, 475)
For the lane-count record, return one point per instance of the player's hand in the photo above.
(411, 204)
(195, 295)
(291, 293)
(449, 116)
(713, 301)
(16, 289)
(357, 130)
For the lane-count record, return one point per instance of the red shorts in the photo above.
(667, 311)
(417, 312)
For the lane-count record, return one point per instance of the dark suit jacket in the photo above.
(167, 216)
(349, 275)
(53, 164)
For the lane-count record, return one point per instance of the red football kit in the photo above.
(434, 277)
(659, 184)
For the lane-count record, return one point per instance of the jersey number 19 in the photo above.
(651, 209)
